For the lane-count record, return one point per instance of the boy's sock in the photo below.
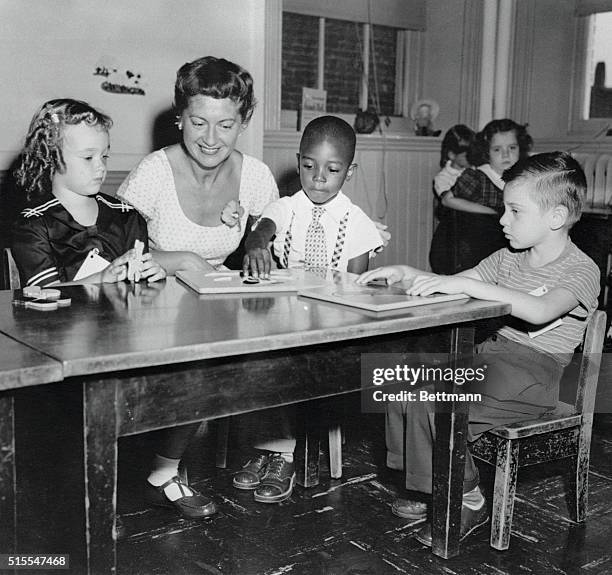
(474, 499)
(164, 469)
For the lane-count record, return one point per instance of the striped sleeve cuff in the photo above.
(44, 278)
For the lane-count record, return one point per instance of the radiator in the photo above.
(598, 171)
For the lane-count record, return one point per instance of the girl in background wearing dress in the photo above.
(453, 161)
(477, 195)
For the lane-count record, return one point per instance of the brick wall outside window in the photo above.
(342, 76)
(385, 49)
(299, 58)
(343, 63)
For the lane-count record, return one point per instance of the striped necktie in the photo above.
(316, 247)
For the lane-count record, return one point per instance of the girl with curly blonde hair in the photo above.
(70, 232)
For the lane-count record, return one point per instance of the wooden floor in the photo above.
(345, 526)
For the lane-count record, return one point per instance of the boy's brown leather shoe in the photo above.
(277, 484)
(249, 477)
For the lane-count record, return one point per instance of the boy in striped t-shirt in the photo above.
(552, 287)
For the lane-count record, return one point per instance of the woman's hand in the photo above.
(191, 261)
(150, 269)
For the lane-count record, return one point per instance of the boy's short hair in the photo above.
(558, 181)
(330, 128)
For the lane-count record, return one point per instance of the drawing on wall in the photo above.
(118, 80)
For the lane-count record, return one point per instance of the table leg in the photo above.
(449, 455)
(8, 496)
(308, 439)
(100, 457)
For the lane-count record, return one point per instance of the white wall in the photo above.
(50, 49)
(443, 59)
(552, 62)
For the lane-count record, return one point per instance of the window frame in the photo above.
(410, 60)
(577, 124)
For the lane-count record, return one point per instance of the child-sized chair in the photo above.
(564, 433)
(10, 273)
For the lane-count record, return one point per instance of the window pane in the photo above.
(342, 75)
(599, 70)
(299, 57)
(382, 71)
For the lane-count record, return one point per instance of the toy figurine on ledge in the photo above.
(423, 113)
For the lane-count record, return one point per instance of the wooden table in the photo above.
(20, 367)
(142, 358)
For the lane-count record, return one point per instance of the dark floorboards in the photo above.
(345, 526)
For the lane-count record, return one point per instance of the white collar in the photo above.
(492, 175)
(335, 208)
(453, 170)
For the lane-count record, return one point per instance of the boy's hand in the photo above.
(150, 269)
(392, 274)
(426, 285)
(257, 262)
(385, 236)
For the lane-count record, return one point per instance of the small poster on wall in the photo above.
(314, 104)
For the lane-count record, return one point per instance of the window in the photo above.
(598, 85)
(591, 105)
(323, 45)
(343, 70)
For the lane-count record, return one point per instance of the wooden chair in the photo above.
(9, 270)
(565, 433)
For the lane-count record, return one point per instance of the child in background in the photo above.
(478, 192)
(71, 233)
(545, 278)
(319, 228)
(453, 157)
(453, 161)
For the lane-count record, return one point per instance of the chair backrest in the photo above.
(10, 271)
(592, 348)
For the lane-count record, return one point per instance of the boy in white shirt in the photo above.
(325, 162)
(318, 228)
